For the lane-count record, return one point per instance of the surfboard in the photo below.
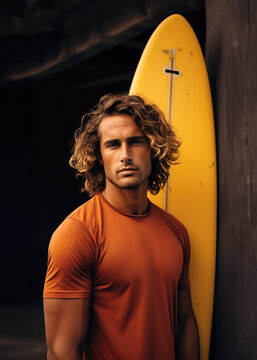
(172, 74)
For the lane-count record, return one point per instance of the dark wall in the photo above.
(38, 187)
(231, 53)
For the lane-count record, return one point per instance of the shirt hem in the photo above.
(65, 295)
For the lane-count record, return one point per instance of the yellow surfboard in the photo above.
(172, 74)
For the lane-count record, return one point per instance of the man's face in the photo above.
(125, 152)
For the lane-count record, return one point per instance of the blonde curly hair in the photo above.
(162, 139)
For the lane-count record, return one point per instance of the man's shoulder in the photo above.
(87, 209)
(171, 221)
(177, 227)
(83, 217)
(168, 216)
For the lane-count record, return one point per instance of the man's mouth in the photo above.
(127, 169)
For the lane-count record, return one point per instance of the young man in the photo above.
(117, 281)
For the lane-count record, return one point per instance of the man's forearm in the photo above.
(187, 339)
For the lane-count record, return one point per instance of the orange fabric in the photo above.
(131, 267)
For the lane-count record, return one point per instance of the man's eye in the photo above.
(112, 145)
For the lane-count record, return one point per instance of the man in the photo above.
(117, 283)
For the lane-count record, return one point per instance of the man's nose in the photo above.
(126, 155)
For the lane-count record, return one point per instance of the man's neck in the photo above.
(129, 201)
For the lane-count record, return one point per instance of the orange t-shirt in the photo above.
(132, 267)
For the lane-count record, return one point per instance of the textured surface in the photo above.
(231, 55)
(38, 38)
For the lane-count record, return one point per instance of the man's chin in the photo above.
(132, 184)
(128, 183)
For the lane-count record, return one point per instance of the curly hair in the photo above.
(162, 139)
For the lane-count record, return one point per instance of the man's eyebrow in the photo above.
(130, 138)
(111, 141)
(139, 137)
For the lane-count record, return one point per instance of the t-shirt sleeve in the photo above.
(184, 279)
(70, 265)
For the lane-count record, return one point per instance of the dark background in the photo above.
(57, 59)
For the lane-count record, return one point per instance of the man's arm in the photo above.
(66, 324)
(187, 338)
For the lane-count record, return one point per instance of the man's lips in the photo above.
(127, 169)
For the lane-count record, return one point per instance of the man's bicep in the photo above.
(66, 325)
(184, 303)
(187, 338)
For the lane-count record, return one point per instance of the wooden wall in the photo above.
(231, 55)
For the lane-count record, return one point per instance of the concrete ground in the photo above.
(22, 332)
